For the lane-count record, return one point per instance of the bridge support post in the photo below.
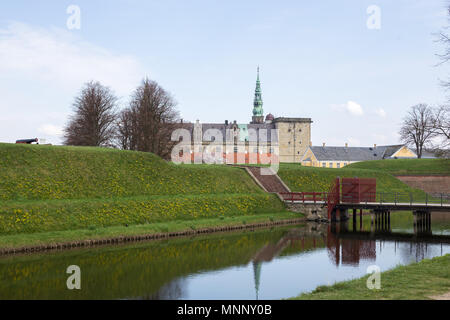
(415, 221)
(386, 220)
(389, 220)
(422, 221)
(377, 220)
(360, 220)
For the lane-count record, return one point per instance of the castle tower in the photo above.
(258, 112)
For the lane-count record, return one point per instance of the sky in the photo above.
(354, 66)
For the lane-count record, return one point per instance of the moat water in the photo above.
(272, 263)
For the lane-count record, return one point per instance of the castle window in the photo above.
(338, 165)
(235, 149)
(324, 164)
(331, 164)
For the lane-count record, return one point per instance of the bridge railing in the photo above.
(397, 198)
(305, 197)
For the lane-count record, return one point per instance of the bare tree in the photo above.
(92, 123)
(442, 123)
(418, 127)
(444, 38)
(126, 130)
(441, 128)
(148, 123)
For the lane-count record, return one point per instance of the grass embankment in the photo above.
(15, 241)
(406, 167)
(46, 189)
(310, 179)
(416, 281)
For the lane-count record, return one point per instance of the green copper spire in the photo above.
(258, 103)
(257, 276)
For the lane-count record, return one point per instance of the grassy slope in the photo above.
(308, 179)
(407, 166)
(45, 189)
(44, 172)
(417, 281)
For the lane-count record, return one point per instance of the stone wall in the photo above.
(313, 212)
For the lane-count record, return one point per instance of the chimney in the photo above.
(374, 146)
(346, 145)
(324, 144)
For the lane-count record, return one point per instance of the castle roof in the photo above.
(354, 153)
(243, 130)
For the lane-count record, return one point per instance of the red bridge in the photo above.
(361, 193)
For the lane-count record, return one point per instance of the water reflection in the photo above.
(267, 263)
(347, 246)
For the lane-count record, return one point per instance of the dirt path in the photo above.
(445, 296)
(271, 183)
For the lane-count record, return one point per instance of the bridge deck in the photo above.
(396, 206)
(382, 205)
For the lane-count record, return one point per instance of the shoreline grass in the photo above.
(417, 281)
(44, 238)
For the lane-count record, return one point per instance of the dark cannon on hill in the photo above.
(27, 141)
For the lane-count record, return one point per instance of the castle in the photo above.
(265, 137)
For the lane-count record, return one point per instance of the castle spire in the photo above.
(258, 111)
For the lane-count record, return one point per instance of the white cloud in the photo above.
(51, 130)
(59, 57)
(354, 108)
(350, 107)
(380, 112)
(42, 69)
